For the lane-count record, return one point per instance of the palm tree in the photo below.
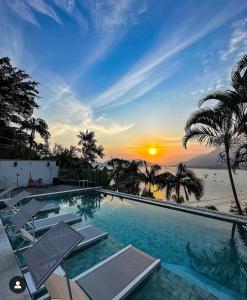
(90, 150)
(235, 100)
(133, 177)
(185, 179)
(125, 175)
(240, 156)
(215, 127)
(34, 126)
(116, 174)
(149, 178)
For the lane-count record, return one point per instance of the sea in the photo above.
(217, 188)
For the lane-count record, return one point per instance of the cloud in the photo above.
(66, 132)
(170, 139)
(132, 86)
(238, 40)
(20, 7)
(144, 76)
(111, 20)
(71, 8)
(44, 8)
(67, 114)
(26, 8)
(11, 43)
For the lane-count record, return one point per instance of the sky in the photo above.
(131, 70)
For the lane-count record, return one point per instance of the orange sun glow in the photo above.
(152, 151)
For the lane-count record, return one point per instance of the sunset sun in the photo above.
(152, 151)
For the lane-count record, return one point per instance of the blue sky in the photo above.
(131, 70)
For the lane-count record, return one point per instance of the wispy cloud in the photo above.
(111, 20)
(140, 78)
(218, 64)
(42, 7)
(22, 9)
(170, 139)
(71, 8)
(67, 114)
(27, 9)
(238, 40)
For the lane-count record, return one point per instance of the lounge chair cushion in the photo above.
(58, 288)
(27, 236)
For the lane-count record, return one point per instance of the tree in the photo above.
(215, 127)
(132, 177)
(236, 101)
(33, 126)
(125, 175)
(90, 150)
(185, 179)
(66, 157)
(240, 156)
(18, 93)
(149, 177)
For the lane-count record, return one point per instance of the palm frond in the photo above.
(200, 134)
(229, 98)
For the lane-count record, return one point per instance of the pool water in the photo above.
(183, 241)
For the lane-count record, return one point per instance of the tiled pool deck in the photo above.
(8, 269)
(173, 285)
(46, 190)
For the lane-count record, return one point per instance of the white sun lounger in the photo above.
(47, 208)
(7, 191)
(46, 223)
(11, 203)
(117, 276)
(112, 279)
(90, 233)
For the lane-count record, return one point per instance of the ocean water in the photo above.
(217, 187)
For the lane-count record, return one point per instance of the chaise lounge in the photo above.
(29, 210)
(12, 203)
(113, 278)
(7, 191)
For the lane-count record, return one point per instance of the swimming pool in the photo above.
(197, 248)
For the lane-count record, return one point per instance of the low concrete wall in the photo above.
(18, 172)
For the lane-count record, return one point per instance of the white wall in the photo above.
(37, 168)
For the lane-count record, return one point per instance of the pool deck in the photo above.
(62, 188)
(8, 269)
(203, 212)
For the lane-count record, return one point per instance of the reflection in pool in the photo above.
(192, 242)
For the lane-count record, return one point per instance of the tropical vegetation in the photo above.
(129, 176)
(185, 179)
(224, 124)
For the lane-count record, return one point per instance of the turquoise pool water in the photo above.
(185, 243)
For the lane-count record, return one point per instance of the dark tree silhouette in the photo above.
(183, 179)
(215, 127)
(90, 150)
(18, 93)
(33, 126)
